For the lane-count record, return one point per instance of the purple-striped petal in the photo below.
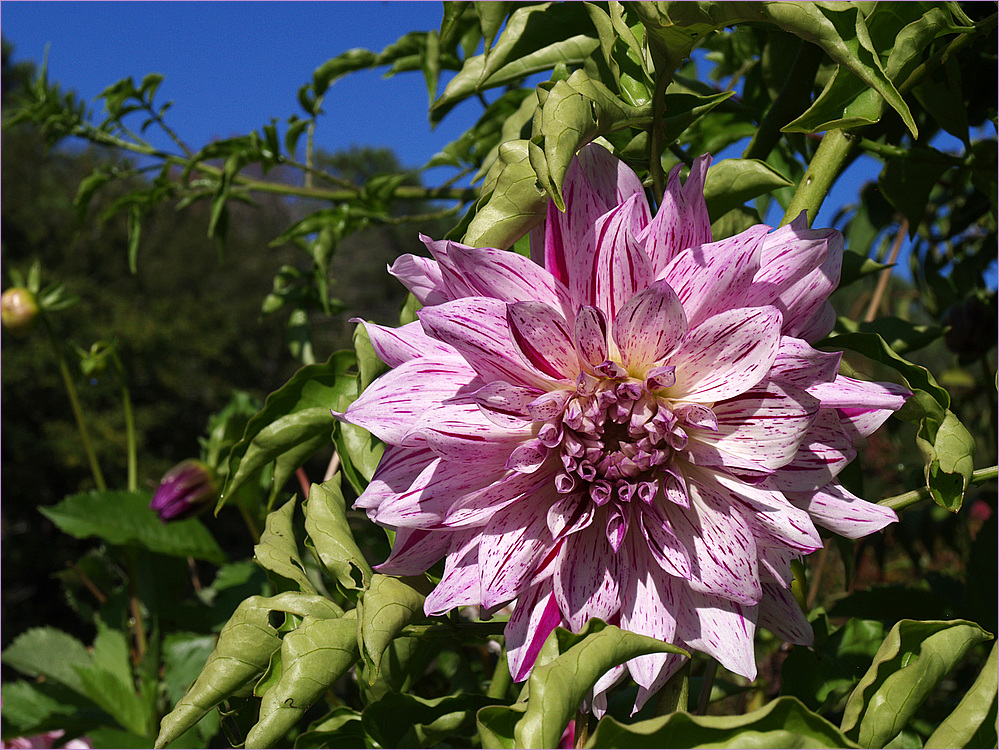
(824, 451)
(863, 406)
(397, 345)
(534, 617)
(839, 510)
(415, 551)
(715, 277)
(422, 277)
(588, 578)
(477, 327)
(800, 365)
(591, 335)
(649, 326)
(781, 614)
(726, 355)
(682, 220)
(720, 628)
(459, 585)
(542, 336)
(460, 432)
(513, 542)
(620, 266)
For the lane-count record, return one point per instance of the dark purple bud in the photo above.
(187, 489)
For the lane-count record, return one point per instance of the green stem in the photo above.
(898, 502)
(675, 694)
(709, 681)
(656, 132)
(501, 678)
(133, 462)
(825, 167)
(74, 402)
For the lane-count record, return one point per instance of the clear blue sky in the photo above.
(230, 67)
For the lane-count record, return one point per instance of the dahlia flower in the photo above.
(631, 425)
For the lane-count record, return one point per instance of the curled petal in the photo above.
(543, 337)
(415, 551)
(397, 345)
(863, 405)
(649, 326)
(781, 614)
(591, 335)
(534, 617)
(620, 266)
(422, 277)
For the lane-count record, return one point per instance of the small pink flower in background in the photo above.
(47, 740)
(631, 426)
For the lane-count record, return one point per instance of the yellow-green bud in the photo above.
(18, 309)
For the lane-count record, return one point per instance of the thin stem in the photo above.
(332, 466)
(582, 729)
(74, 402)
(131, 443)
(826, 164)
(820, 566)
(303, 481)
(709, 680)
(898, 502)
(139, 628)
(502, 680)
(251, 524)
(883, 278)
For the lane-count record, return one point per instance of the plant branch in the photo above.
(132, 446)
(709, 681)
(826, 165)
(883, 278)
(898, 502)
(502, 680)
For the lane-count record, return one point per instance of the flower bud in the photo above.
(18, 309)
(187, 489)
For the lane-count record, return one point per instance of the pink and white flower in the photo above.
(632, 425)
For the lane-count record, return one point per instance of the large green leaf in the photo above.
(341, 727)
(313, 657)
(31, 708)
(511, 202)
(108, 682)
(785, 722)
(243, 652)
(388, 605)
(838, 28)
(294, 414)
(975, 713)
(902, 336)
(913, 659)
(899, 33)
(330, 536)
(732, 182)
(49, 653)
(277, 550)
(120, 517)
(398, 720)
(536, 38)
(906, 181)
(567, 668)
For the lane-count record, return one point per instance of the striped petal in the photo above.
(620, 266)
(682, 220)
(397, 345)
(720, 628)
(542, 336)
(835, 508)
(781, 614)
(649, 326)
(534, 617)
(863, 406)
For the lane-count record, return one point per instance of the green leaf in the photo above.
(31, 708)
(567, 668)
(941, 94)
(823, 675)
(120, 517)
(732, 182)
(184, 656)
(243, 652)
(330, 536)
(339, 66)
(118, 699)
(975, 712)
(948, 451)
(902, 336)
(838, 28)
(389, 604)
(511, 202)
(536, 38)
(50, 653)
(277, 551)
(341, 727)
(784, 722)
(572, 113)
(906, 182)
(399, 720)
(314, 656)
(294, 414)
(913, 659)
(898, 36)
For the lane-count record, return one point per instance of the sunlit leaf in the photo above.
(277, 550)
(314, 656)
(388, 605)
(331, 538)
(910, 663)
(974, 719)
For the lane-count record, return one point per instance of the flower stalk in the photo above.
(834, 151)
(899, 502)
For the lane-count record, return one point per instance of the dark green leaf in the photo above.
(50, 653)
(906, 182)
(902, 336)
(732, 182)
(784, 722)
(910, 663)
(397, 720)
(339, 66)
(341, 727)
(125, 518)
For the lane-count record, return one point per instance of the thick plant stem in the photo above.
(709, 681)
(828, 162)
(675, 694)
(502, 680)
(74, 402)
(898, 502)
